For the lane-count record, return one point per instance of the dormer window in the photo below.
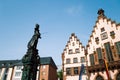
(70, 51)
(77, 50)
(97, 40)
(112, 34)
(73, 44)
(104, 36)
(102, 29)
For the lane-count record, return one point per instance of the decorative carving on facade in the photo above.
(106, 31)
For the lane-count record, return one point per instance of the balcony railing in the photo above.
(101, 67)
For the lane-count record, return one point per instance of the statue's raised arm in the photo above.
(34, 40)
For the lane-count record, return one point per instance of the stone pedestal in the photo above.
(30, 62)
(31, 59)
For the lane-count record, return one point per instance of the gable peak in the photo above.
(73, 34)
(100, 12)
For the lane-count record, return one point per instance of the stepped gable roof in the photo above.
(73, 34)
(101, 15)
(11, 63)
(77, 39)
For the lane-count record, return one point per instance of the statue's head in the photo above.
(37, 26)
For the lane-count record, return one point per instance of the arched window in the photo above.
(99, 77)
(118, 77)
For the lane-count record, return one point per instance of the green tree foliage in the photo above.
(60, 75)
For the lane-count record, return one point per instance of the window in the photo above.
(104, 36)
(43, 73)
(73, 44)
(6, 70)
(82, 59)
(75, 60)
(112, 33)
(5, 74)
(68, 71)
(99, 77)
(92, 59)
(84, 71)
(70, 51)
(75, 70)
(96, 39)
(108, 51)
(77, 50)
(19, 68)
(99, 53)
(43, 67)
(18, 74)
(102, 29)
(117, 44)
(0, 71)
(67, 61)
(118, 77)
(3, 64)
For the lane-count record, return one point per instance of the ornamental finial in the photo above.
(100, 12)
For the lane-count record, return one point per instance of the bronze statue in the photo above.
(34, 40)
(31, 59)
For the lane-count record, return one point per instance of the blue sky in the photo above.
(57, 20)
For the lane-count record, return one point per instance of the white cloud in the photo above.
(74, 10)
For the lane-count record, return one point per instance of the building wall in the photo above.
(52, 72)
(109, 26)
(103, 74)
(6, 73)
(17, 73)
(101, 35)
(47, 72)
(73, 49)
(44, 70)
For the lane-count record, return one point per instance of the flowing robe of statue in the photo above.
(31, 59)
(34, 40)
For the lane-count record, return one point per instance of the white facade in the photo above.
(17, 73)
(109, 26)
(5, 72)
(14, 73)
(12, 69)
(73, 56)
(103, 45)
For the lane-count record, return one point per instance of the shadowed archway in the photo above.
(99, 77)
(118, 76)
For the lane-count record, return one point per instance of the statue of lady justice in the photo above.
(34, 40)
(31, 59)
